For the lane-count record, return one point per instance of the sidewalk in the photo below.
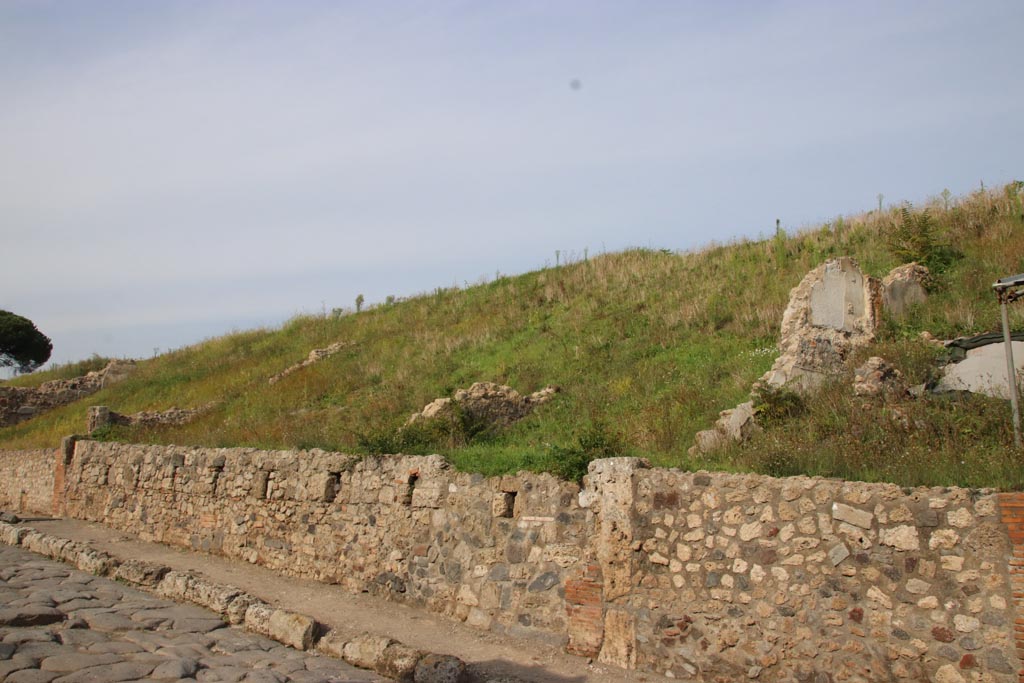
(489, 656)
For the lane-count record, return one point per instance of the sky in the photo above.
(176, 170)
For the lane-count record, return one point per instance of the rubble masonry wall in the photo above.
(26, 480)
(701, 575)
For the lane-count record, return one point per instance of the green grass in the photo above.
(648, 346)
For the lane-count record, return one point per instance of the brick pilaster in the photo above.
(584, 606)
(1011, 512)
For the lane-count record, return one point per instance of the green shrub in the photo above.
(776, 404)
(597, 441)
(917, 237)
(454, 428)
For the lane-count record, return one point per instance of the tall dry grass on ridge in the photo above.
(647, 345)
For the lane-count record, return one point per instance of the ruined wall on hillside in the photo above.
(693, 575)
(26, 480)
(18, 404)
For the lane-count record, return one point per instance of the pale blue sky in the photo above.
(171, 171)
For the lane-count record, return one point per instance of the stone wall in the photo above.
(738, 576)
(691, 575)
(491, 551)
(26, 480)
(18, 404)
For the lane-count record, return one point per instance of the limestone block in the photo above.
(966, 624)
(292, 629)
(140, 572)
(619, 647)
(833, 310)
(851, 515)
(399, 662)
(901, 537)
(943, 539)
(238, 607)
(435, 668)
(257, 618)
(96, 562)
(332, 644)
(838, 553)
(12, 535)
(960, 519)
(366, 651)
(97, 418)
(903, 288)
(947, 673)
(876, 377)
(708, 441)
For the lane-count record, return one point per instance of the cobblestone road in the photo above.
(59, 624)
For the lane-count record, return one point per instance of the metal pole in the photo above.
(1011, 373)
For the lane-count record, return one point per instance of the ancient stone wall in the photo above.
(18, 404)
(691, 575)
(494, 552)
(26, 480)
(745, 576)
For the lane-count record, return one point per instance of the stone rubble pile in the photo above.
(102, 416)
(876, 377)
(315, 356)
(835, 310)
(488, 403)
(18, 404)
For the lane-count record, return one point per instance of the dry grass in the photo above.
(649, 345)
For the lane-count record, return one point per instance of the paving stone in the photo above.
(66, 595)
(79, 637)
(40, 650)
(439, 669)
(16, 663)
(107, 621)
(114, 673)
(265, 676)
(30, 616)
(115, 647)
(310, 677)
(85, 603)
(30, 635)
(199, 625)
(184, 651)
(76, 661)
(226, 674)
(231, 640)
(31, 676)
(113, 641)
(176, 669)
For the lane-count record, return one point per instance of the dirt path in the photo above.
(491, 657)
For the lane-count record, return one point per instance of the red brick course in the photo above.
(584, 606)
(1011, 512)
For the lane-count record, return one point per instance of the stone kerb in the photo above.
(395, 659)
(708, 575)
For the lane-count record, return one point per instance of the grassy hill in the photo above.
(647, 347)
